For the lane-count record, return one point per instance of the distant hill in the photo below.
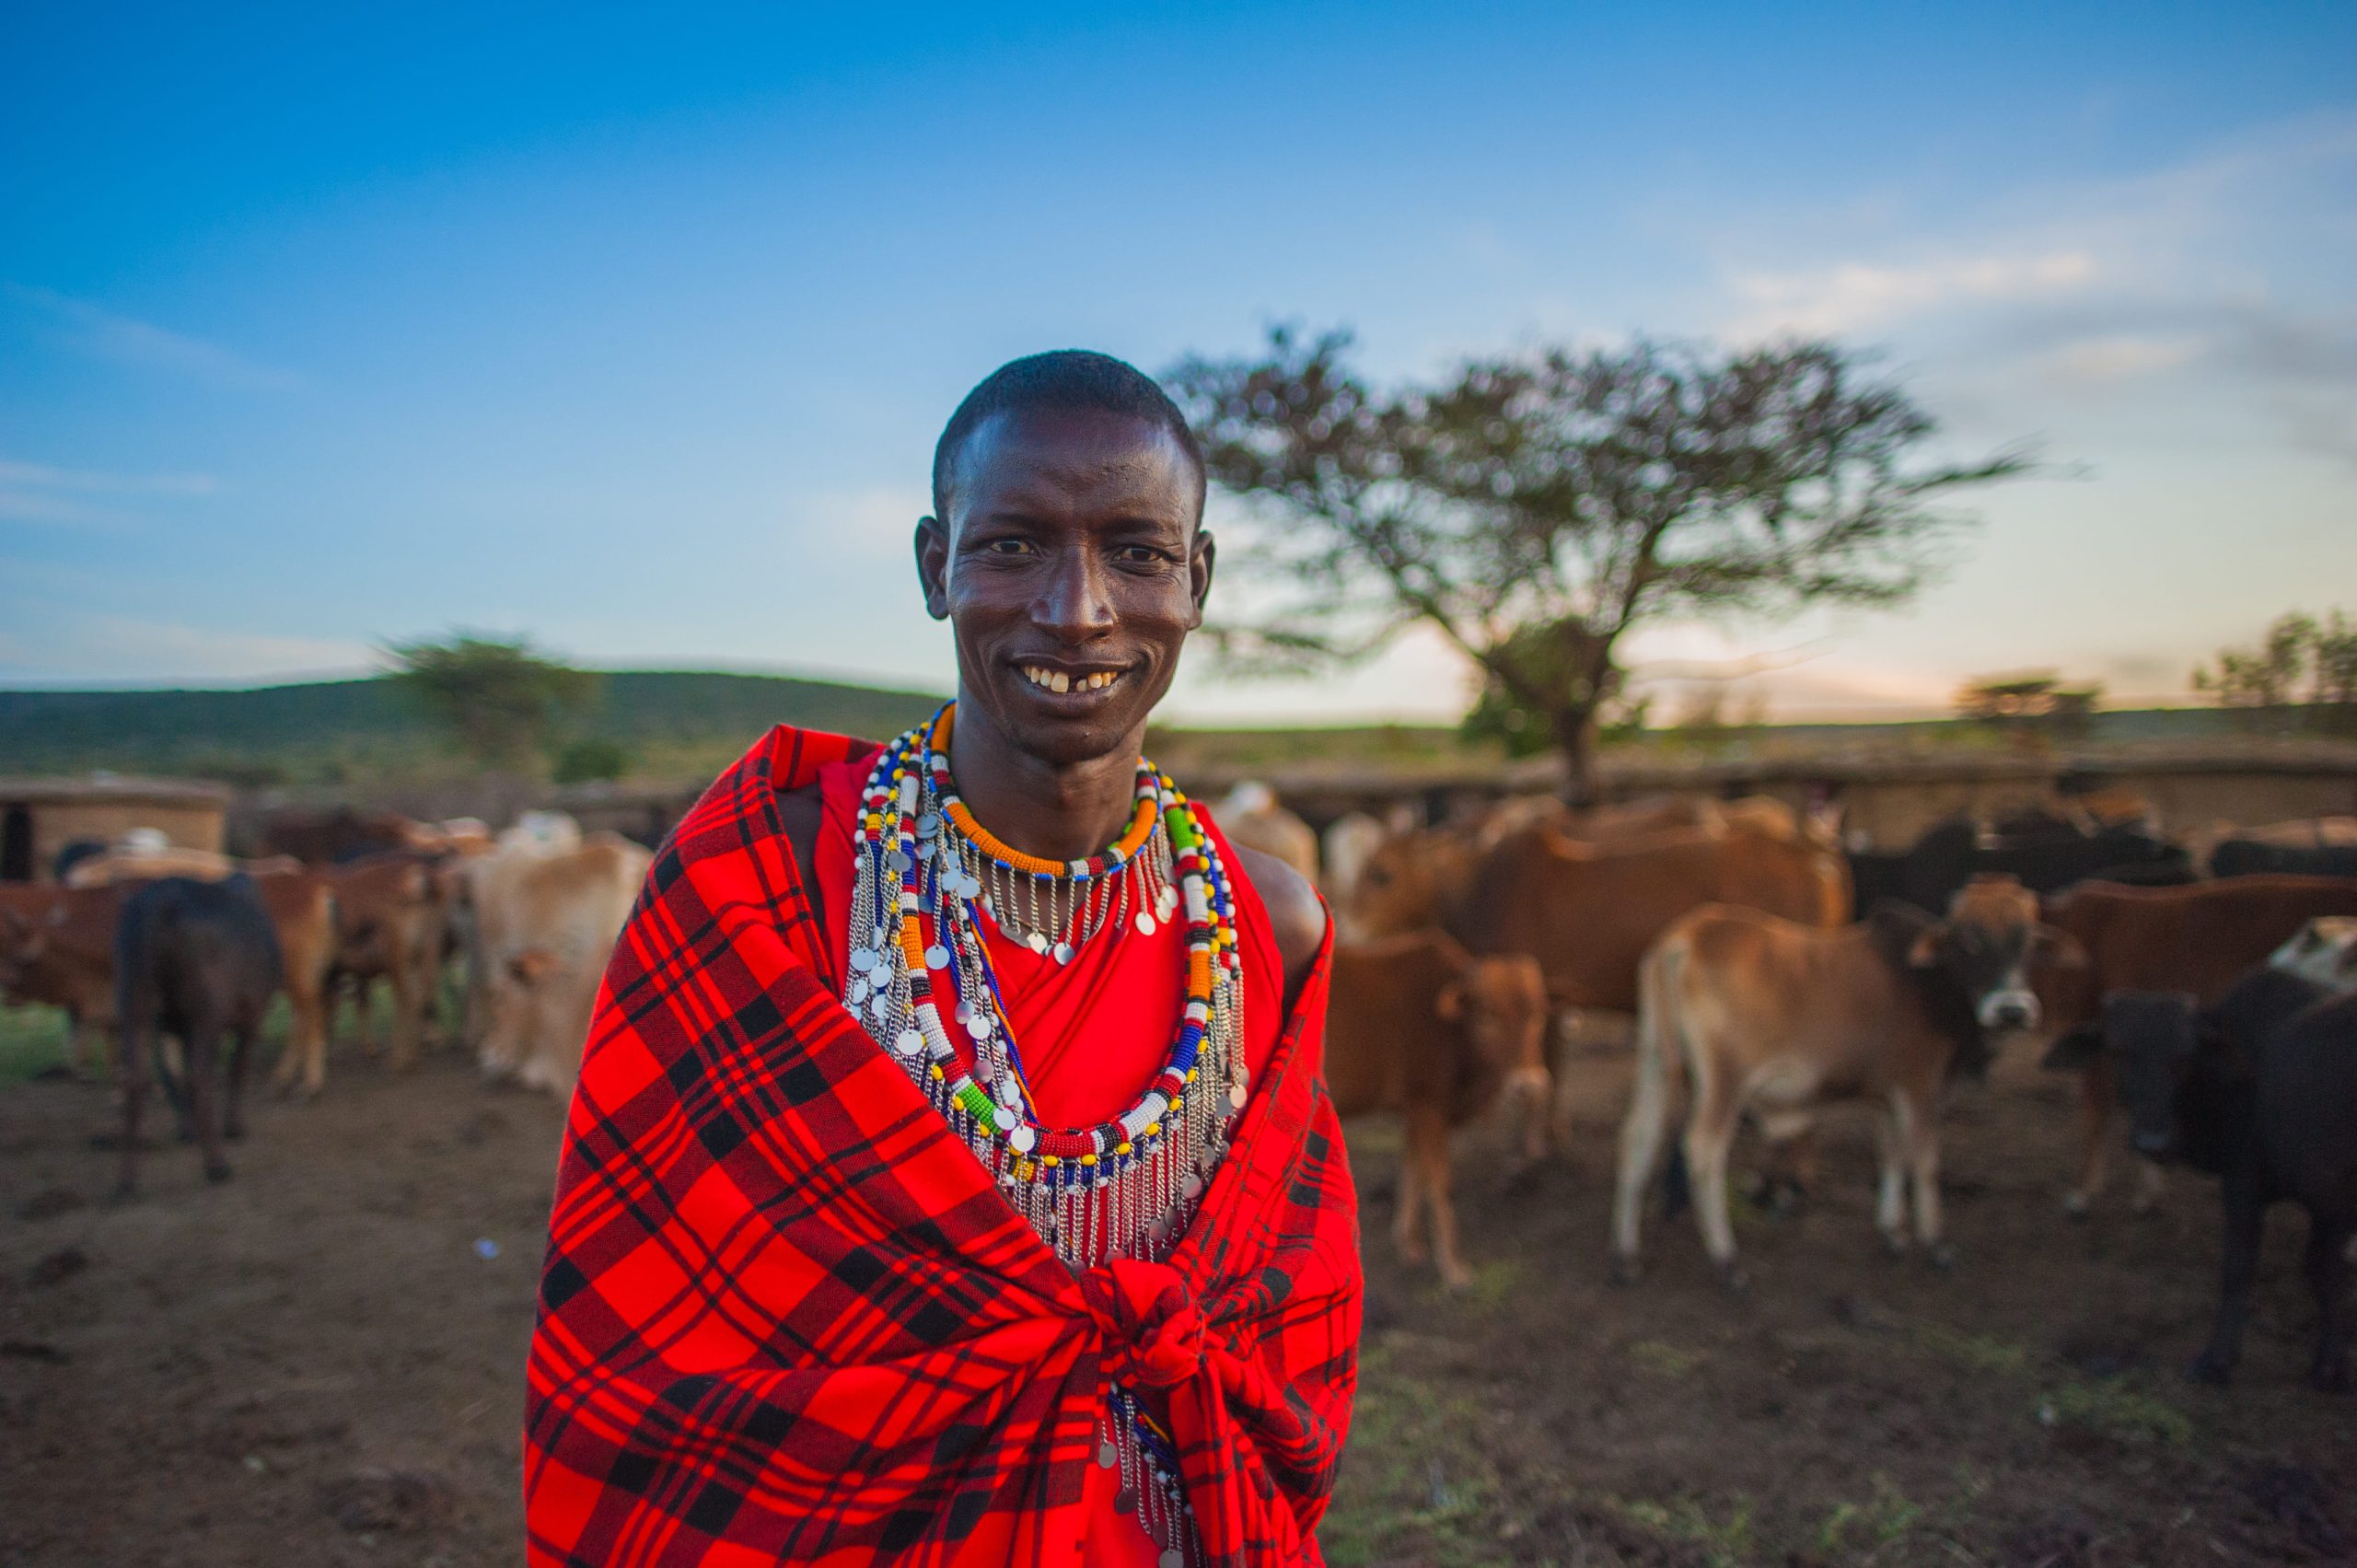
(331, 730)
(683, 725)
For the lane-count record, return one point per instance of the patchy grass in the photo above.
(1418, 1485)
(2120, 1410)
(1982, 1353)
(1724, 1542)
(1660, 1355)
(32, 1041)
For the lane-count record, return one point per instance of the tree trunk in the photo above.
(1575, 738)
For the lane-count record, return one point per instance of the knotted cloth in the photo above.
(786, 1316)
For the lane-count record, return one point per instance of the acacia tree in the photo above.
(2265, 680)
(1535, 507)
(501, 700)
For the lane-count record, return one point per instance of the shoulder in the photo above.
(1297, 917)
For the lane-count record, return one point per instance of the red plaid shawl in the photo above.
(787, 1318)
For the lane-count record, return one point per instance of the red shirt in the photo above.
(1094, 1032)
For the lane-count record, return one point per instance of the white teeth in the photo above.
(1060, 681)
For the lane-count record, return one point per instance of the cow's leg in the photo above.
(2097, 1094)
(2246, 1221)
(203, 1069)
(407, 1016)
(233, 1118)
(2329, 1273)
(1408, 1209)
(1917, 1120)
(132, 1046)
(306, 1037)
(1710, 1134)
(1890, 1200)
(1641, 1135)
(1428, 1151)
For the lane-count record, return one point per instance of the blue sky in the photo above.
(321, 327)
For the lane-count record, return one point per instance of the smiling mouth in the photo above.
(1061, 682)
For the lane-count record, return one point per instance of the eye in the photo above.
(1007, 546)
(1141, 555)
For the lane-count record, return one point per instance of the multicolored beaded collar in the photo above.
(917, 947)
(928, 876)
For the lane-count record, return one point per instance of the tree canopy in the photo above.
(1534, 507)
(501, 700)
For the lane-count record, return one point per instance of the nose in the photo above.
(2007, 1011)
(1074, 604)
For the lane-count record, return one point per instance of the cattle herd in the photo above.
(1764, 974)
(171, 954)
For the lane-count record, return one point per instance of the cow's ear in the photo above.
(2073, 1051)
(1923, 953)
(2060, 947)
(1450, 1003)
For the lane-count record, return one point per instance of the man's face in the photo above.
(1072, 568)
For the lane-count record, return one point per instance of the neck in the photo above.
(1055, 810)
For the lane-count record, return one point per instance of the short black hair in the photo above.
(1063, 378)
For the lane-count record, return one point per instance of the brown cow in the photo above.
(110, 866)
(57, 951)
(1782, 1018)
(57, 947)
(2196, 939)
(1417, 1026)
(1252, 817)
(1588, 912)
(392, 914)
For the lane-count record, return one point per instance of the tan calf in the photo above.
(57, 951)
(544, 927)
(1782, 1018)
(1418, 1026)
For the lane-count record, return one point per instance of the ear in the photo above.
(2060, 947)
(1199, 570)
(933, 566)
(1450, 1003)
(532, 965)
(2073, 1051)
(1923, 953)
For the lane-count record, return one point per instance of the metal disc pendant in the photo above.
(980, 1025)
(880, 1003)
(928, 824)
(1037, 942)
(1063, 952)
(1145, 922)
(936, 957)
(1023, 1140)
(1125, 1501)
(1235, 1096)
(858, 992)
(908, 1042)
(1174, 1558)
(1004, 1120)
(863, 959)
(1191, 1187)
(898, 860)
(1107, 1455)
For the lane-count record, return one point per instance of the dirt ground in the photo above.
(321, 1362)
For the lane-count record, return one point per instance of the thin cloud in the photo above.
(102, 334)
(38, 476)
(120, 647)
(1850, 297)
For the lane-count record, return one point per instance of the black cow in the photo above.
(2045, 858)
(2243, 857)
(198, 960)
(2260, 1091)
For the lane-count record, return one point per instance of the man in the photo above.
(951, 1178)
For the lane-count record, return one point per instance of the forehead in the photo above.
(1995, 906)
(1074, 466)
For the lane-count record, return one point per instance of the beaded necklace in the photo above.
(928, 874)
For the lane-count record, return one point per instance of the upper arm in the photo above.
(1296, 915)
